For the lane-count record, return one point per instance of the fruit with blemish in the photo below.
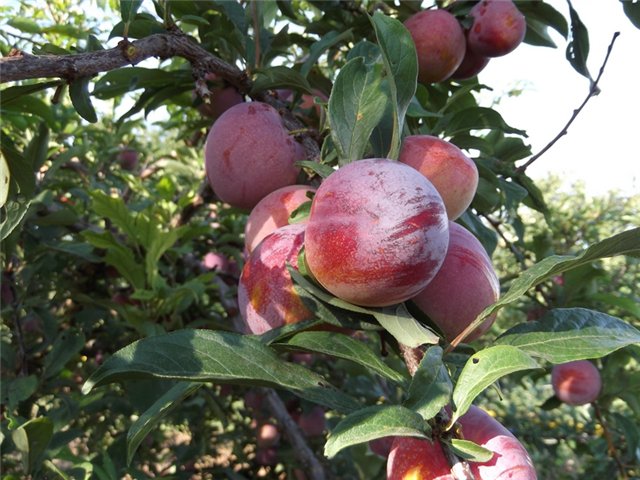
(498, 28)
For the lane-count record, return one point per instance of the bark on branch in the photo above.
(22, 66)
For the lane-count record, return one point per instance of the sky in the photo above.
(601, 147)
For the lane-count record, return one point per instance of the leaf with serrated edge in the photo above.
(224, 357)
(484, 368)
(345, 347)
(470, 451)
(431, 385)
(374, 422)
(156, 412)
(567, 334)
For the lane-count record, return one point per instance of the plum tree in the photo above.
(454, 175)
(465, 284)
(377, 232)
(498, 28)
(419, 459)
(249, 154)
(273, 212)
(576, 383)
(266, 296)
(440, 44)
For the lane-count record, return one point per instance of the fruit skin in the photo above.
(472, 64)
(418, 459)
(249, 154)
(377, 232)
(267, 435)
(440, 44)
(272, 212)
(576, 383)
(266, 296)
(220, 100)
(454, 175)
(312, 422)
(498, 28)
(128, 159)
(465, 285)
(382, 446)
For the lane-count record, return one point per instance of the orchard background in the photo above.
(111, 235)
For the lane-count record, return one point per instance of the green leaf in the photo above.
(470, 451)
(345, 347)
(33, 106)
(301, 213)
(161, 242)
(625, 243)
(544, 14)
(31, 439)
(321, 169)
(26, 25)
(118, 256)
(632, 11)
(401, 65)
(10, 94)
(19, 389)
(279, 77)
(318, 48)
(578, 47)
(20, 167)
(79, 93)
(15, 213)
(566, 334)
(142, 26)
(155, 413)
(475, 118)
(128, 9)
(405, 329)
(38, 148)
(356, 106)
(66, 346)
(117, 82)
(484, 368)
(138, 228)
(431, 386)
(374, 422)
(206, 355)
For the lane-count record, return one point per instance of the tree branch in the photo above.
(294, 434)
(23, 66)
(593, 91)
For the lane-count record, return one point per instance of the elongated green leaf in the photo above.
(156, 412)
(136, 226)
(279, 77)
(578, 47)
(128, 9)
(401, 64)
(484, 368)
(320, 168)
(431, 385)
(118, 256)
(36, 151)
(625, 243)
(374, 422)
(5, 179)
(27, 104)
(9, 94)
(343, 346)
(318, 48)
(66, 346)
(567, 334)
(206, 355)
(31, 439)
(475, 118)
(79, 93)
(117, 82)
(162, 241)
(470, 451)
(632, 11)
(356, 105)
(15, 213)
(407, 330)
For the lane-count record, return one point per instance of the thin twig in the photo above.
(301, 449)
(593, 91)
(611, 447)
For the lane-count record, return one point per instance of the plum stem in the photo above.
(593, 91)
(610, 443)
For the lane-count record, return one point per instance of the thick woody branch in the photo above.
(23, 66)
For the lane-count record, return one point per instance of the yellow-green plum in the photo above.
(377, 232)
(266, 296)
(498, 28)
(454, 175)
(440, 44)
(249, 154)
(272, 212)
(576, 383)
(419, 459)
(464, 286)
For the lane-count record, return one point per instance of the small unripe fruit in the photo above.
(272, 212)
(128, 159)
(377, 232)
(454, 175)
(266, 296)
(465, 285)
(498, 28)
(267, 435)
(249, 154)
(576, 383)
(440, 44)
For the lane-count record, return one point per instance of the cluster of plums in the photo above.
(379, 231)
(446, 50)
